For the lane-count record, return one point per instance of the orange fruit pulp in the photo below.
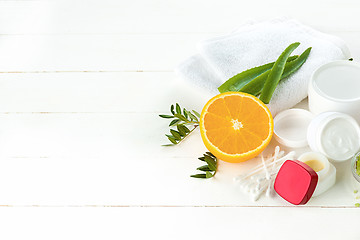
(236, 126)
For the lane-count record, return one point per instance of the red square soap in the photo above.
(295, 182)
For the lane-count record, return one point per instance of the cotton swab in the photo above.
(260, 177)
(257, 168)
(264, 167)
(269, 159)
(268, 190)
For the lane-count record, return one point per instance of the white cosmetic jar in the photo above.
(327, 175)
(334, 134)
(290, 127)
(335, 87)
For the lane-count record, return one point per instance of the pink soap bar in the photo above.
(295, 182)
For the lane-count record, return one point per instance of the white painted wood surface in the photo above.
(81, 85)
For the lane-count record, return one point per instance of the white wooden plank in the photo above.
(87, 135)
(96, 92)
(95, 52)
(178, 223)
(21, 17)
(161, 16)
(149, 52)
(90, 136)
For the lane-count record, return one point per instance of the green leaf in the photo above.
(201, 175)
(210, 168)
(256, 85)
(196, 113)
(193, 117)
(185, 113)
(172, 140)
(210, 154)
(209, 175)
(174, 122)
(170, 136)
(210, 162)
(181, 117)
(275, 73)
(187, 130)
(210, 158)
(168, 145)
(166, 116)
(204, 168)
(176, 134)
(238, 81)
(178, 109)
(181, 130)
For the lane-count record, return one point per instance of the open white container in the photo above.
(334, 134)
(335, 87)
(290, 127)
(326, 176)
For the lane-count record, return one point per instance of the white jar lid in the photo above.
(290, 127)
(334, 87)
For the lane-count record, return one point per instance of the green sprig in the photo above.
(209, 168)
(182, 119)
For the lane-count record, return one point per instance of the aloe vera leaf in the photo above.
(276, 72)
(239, 80)
(255, 86)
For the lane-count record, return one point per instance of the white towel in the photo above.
(255, 44)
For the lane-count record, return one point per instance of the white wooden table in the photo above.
(81, 87)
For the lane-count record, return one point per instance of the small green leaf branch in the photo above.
(182, 120)
(209, 168)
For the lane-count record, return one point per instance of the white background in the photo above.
(81, 87)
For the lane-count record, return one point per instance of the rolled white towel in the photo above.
(255, 44)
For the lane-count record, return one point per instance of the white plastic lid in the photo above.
(334, 87)
(290, 127)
